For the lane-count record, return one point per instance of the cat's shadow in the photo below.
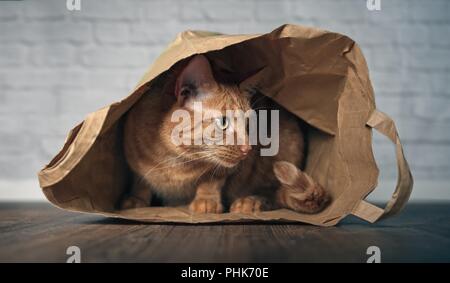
(121, 221)
(347, 223)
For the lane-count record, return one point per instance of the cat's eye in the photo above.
(186, 91)
(222, 123)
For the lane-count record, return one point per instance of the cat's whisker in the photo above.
(201, 174)
(188, 161)
(216, 166)
(170, 159)
(183, 154)
(162, 162)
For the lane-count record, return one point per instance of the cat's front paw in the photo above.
(248, 204)
(206, 205)
(133, 202)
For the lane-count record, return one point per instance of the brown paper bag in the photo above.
(320, 76)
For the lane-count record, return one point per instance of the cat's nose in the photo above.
(245, 148)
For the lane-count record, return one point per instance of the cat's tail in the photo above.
(298, 191)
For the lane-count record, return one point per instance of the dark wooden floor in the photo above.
(39, 232)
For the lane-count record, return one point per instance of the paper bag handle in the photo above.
(369, 212)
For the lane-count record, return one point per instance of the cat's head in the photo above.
(215, 131)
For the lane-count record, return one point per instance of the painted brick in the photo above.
(12, 55)
(228, 10)
(116, 57)
(108, 10)
(9, 11)
(116, 33)
(55, 32)
(51, 10)
(55, 55)
(273, 11)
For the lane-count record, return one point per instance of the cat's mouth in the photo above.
(231, 159)
(228, 162)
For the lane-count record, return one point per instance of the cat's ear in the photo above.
(196, 75)
(285, 172)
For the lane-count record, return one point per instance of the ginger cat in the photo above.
(213, 178)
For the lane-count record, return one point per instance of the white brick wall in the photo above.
(56, 66)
